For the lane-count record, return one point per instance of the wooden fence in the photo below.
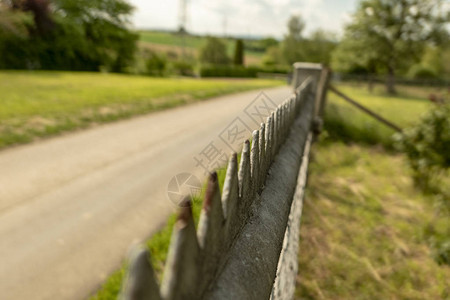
(246, 243)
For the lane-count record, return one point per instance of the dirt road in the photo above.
(71, 206)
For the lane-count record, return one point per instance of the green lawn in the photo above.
(347, 123)
(39, 104)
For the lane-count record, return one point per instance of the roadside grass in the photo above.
(41, 104)
(365, 229)
(346, 123)
(158, 245)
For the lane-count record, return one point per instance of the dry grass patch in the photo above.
(363, 232)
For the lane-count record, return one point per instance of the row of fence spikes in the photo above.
(194, 255)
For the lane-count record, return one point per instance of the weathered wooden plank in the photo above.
(268, 138)
(273, 138)
(230, 187)
(181, 273)
(210, 232)
(140, 282)
(262, 156)
(211, 216)
(254, 162)
(245, 177)
(230, 201)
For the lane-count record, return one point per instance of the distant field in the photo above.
(39, 104)
(167, 38)
(170, 41)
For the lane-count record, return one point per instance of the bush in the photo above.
(227, 71)
(422, 72)
(66, 35)
(156, 64)
(427, 146)
(214, 52)
(183, 68)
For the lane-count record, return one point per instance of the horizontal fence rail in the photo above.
(365, 109)
(245, 234)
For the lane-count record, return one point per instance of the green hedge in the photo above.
(238, 71)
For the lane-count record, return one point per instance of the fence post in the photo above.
(303, 70)
(322, 92)
(319, 75)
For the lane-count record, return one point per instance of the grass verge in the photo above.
(41, 104)
(366, 229)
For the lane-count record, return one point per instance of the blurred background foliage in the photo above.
(406, 39)
(66, 35)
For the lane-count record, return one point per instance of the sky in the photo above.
(243, 17)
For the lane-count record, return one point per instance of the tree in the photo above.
(13, 37)
(214, 52)
(239, 53)
(268, 42)
(156, 64)
(318, 47)
(70, 35)
(291, 44)
(295, 27)
(389, 35)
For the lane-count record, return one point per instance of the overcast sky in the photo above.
(243, 17)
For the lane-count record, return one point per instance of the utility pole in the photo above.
(224, 24)
(182, 22)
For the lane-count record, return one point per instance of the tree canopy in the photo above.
(66, 35)
(295, 47)
(291, 48)
(214, 52)
(239, 53)
(390, 35)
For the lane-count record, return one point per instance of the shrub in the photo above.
(238, 71)
(427, 146)
(227, 71)
(214, 52)
(183, 68)
(422, 72)
(156, 64)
